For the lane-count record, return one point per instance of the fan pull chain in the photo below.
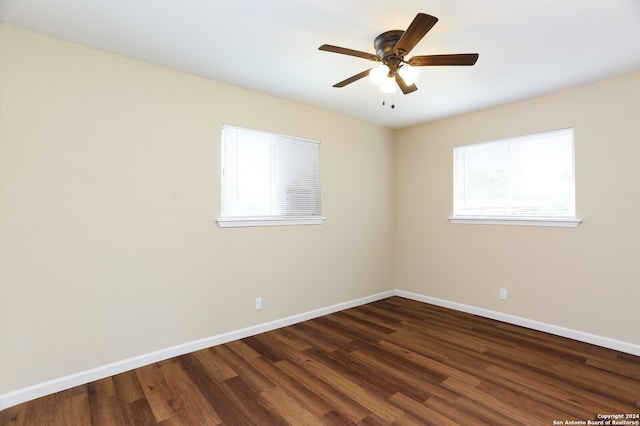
(393, 105)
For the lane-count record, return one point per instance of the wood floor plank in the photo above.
(361, 322)
(212, 388)
(485, 414)
(263, 344)
(290, 408)
(248, 374)
(421, 411)
(316, 338)
(285, 336)
(451, 411)
(107, 411)
(549, 391)
(127, 387)
(413, 383)
(509, 409)
(214, 365)
(527, 407)
(161, 397)
(379, 386)
(287, 348)
(16, 415)
(294, 389)
(139, 413)
(253, 406)
(394, 361)
(405, 350)
(70, 407)
(195, 409)
(614, 365)
(356, 392)
(333, 330)
(611, 385)
(341, 402)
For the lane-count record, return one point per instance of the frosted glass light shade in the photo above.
(389, 85)
(378, 74)
(409, 74)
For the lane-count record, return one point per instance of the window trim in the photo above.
(561, 222)
(232, 222)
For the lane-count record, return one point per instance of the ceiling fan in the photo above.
(391, 48)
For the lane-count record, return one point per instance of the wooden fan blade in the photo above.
(420, 26)
(352, 78)
(405, 89)
(432, 60)
(350, 52)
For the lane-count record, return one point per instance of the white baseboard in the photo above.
(42, 389)
(581, 336)
(67, 382)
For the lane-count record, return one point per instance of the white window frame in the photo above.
(239, 219)
(555, 221)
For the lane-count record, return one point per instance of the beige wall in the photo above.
(109, 191)
(587, 278)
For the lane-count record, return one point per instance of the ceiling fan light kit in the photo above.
(409, 73)
(378, 74)
(388, 85)
(391, 49)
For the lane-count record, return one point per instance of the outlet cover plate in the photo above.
(503, 294)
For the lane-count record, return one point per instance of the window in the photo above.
(524, 180)
(269, 179)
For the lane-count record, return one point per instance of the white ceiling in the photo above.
(527, 48)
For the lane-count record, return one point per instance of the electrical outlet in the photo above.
(258, 303)
(503, 294)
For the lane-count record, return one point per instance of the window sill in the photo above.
(234, 222)
(521, 221)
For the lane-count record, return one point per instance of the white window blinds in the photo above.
(267, 175)
(529, 176)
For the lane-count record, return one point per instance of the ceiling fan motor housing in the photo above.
(385, 45)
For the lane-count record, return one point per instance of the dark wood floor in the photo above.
(395, 361)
